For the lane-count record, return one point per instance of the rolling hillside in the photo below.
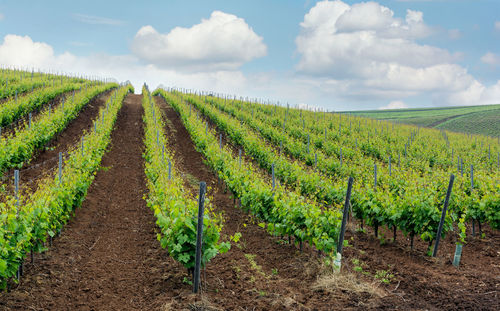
(471, 119)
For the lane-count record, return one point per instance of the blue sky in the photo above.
(335, 55)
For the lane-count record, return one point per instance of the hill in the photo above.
(470, 119)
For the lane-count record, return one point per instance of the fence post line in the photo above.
(443, 215)
(471, 177)
(16, 185)
(344, 217)
(272, 173)
(60, 167)
(199, 237)
(390, 168)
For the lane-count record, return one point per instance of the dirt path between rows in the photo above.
(260, 272)
(285, 279)
(108, 257)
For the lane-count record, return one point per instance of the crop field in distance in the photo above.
(483, 120)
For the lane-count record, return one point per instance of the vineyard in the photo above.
(102, 191)
(483, 120)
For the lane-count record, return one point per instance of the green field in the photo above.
(470, 119)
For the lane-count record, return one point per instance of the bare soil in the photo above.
(289, 280)
(108, 257)
(260, 272)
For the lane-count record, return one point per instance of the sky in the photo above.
(334, 55)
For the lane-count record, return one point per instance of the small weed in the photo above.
(274, 271)
(187, 280)
(237, 270)
(360, 230)
(384, 276)
(105, 168)
(236, 239)
(262, 293)
(281, 241)
(253, 264)
(358, 265)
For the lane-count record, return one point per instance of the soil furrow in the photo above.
(260, 272)
(108, 257)
(284, 279)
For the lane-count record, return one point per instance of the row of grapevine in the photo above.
(417, 148)
(476, 198)
(28, 219)
(174, 207)
(16, 107)
(17, 148)
(326, 148)
(414, 207)
(290, 173)
(286, 213)
(9, 88)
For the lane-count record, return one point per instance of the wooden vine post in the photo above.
(199, 237)
(340, 244)
(443, 215)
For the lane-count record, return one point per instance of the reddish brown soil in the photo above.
(283, 278)
(419, 282)
(424, 282)
(47, 159)
(107, 257)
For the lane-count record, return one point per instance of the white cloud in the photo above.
(475, 94)
(395, 104)
(364, 52)
(97, 20)
(22, 51)
(497, 25)
(361, 41)
(491, 59)
(222, 42)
